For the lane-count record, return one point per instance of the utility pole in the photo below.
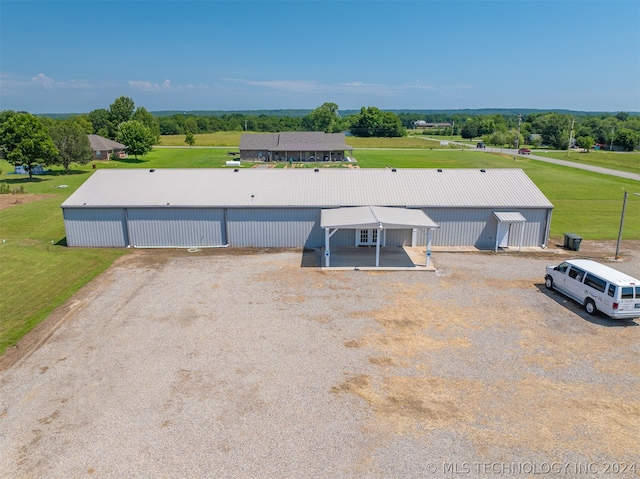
(570, 136)
(624, 207)
(518, 136)
(453, 123)
(612, 135)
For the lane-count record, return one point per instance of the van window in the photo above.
(612, 291)
(576, 273)
(627, 293)
(595, 282)
(562, 267)
(637, 292)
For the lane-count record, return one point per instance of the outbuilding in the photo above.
(294, 146)
(301, 207)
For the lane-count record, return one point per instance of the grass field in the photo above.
(618, 161)
(39, 273)
(232, 140)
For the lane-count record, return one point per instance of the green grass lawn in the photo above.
(39, 273)
(615, 160)
(221, 138)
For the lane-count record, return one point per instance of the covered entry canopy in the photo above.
(374, 217)
(505, 219)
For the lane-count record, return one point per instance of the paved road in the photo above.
(570, 164)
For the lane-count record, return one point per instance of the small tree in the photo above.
(585, 142)
(72, 143)
(189, 139)
(469, 130)
(138, 138)
(25, 141)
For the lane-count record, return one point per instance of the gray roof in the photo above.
(100, 143)
(374, 217)
(304, 187)
(294, 141)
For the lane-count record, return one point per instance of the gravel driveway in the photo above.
(216, 364)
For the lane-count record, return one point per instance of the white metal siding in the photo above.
(274, 227)
(95, 227)
(478, 227)
(400, 237)
(176, 227)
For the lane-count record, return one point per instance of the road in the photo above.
(570, 164)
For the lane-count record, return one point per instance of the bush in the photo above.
(4, 189)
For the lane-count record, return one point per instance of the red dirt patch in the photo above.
(9, 200)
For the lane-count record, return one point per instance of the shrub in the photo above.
(4, 189)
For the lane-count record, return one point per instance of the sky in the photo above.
(78, 56)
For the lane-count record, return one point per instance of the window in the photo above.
(563, 267)
(612, 291)
(576, 274)
(627, 293)
(595, 282)
(637, 292)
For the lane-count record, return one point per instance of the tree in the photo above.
(585, 142)
(136, 136)
(371, 121)
(120, 110)
(324, 118)
(469, 130)
(143, 116)
(189, 139)
(25, 141)
(72, 143)
(627, 138)
(100, 121)
(555, 130)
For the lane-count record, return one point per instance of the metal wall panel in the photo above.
(176, 227)
(478, 227)
(274, 227)
(95, 227)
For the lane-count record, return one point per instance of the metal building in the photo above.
(487, 209)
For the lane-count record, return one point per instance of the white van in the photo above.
(597, 287)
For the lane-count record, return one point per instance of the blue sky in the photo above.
(77, 56)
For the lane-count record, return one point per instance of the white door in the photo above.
(366, 237)
(503, 234)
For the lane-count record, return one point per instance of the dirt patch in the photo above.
(6, 201)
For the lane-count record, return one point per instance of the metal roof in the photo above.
(304, 187)
(374, 217)
(605, 272)
(510, 217)
(294, 141)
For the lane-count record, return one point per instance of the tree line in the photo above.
(27, 140)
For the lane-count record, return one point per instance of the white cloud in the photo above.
(355, 87)
(164, 86)
(44, 80)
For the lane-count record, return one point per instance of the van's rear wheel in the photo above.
(590, 306)
(548, 282)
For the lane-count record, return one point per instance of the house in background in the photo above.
(294, 146)
(103, 148)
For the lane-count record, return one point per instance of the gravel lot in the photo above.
(231, 365)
